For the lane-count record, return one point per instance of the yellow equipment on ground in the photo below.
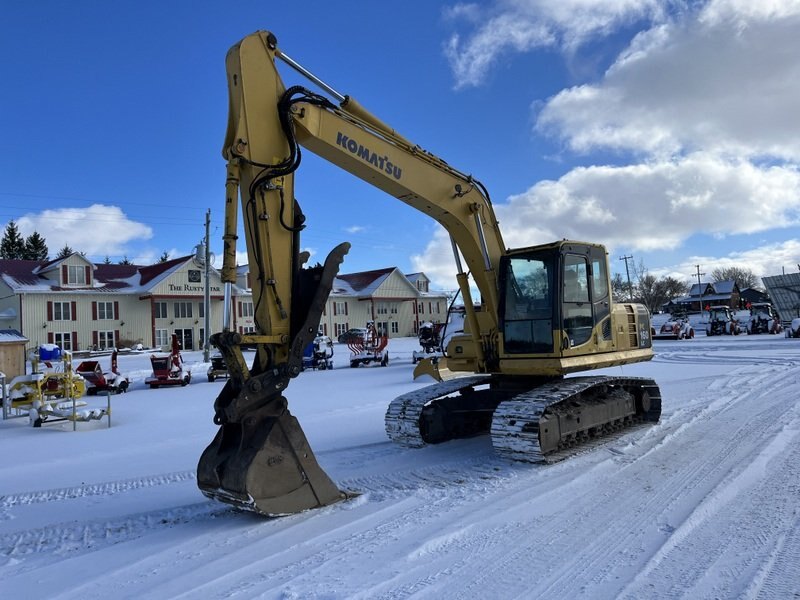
(51, 391)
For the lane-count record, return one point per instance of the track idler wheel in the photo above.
(265, 464)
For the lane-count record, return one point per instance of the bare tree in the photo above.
(744, 278)
(619, 289)
(654, 292)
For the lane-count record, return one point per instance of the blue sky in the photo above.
(665, 130)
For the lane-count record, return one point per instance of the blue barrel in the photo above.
(49, 352)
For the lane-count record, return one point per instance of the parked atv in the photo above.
(677, 328)
(721, 322)
(763, 319)
(793, 331)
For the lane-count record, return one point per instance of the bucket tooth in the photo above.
(265, 465)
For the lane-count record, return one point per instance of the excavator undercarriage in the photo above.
(538, 420)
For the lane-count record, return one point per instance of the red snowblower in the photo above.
(98, 381)
(168, 369)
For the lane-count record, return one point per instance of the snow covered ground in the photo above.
(706, 504)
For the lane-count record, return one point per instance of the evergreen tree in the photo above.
(13, 244)
(125, 261)
(65, 252)
(164, 257)
(36, 247)
(107, 260)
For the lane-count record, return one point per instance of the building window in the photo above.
(63, 340)
(340, 328)
(76, 275)
(183, 310)
(382, 309)
(62, 311)
(393, 308)
(160, 310)
(162, 336)
(340, 308)
(246, 309)
(201, 309)
(247, 329)
(395, 327)
(421, 308)
(105, 339)
(105, 310)
(437, 308)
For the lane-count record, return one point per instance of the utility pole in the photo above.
(628, 273)
(207, 297)
(699, 285)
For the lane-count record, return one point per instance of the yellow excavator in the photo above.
(545, 311)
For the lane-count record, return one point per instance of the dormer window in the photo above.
(76, 275)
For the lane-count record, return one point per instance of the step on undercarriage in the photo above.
(531, 421)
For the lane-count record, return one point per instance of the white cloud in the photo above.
(726, 82)
(355, 229)
(523, 25)
(97, 230)
(766, 260)
(656, 205)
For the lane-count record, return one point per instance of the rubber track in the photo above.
(404, 412)
(515, 431)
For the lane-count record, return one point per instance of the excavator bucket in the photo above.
(260, 459)
(437, 369)
(264, 464)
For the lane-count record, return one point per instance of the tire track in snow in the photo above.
(97, 489)
(619, 548)
(769, 535)
(71, 538)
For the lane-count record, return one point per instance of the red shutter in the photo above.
(49, 310)
(324, 329)
(240, 309)
(94, 311)
(116, 310)
(116, 338)
(64, 275)
(74, 306)
(49, 337)
(249, 287)
(74, 341)
(335, 311)
(345, 309)
(94, 338)
(88, 276)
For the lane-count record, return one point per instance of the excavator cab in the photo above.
(553, 299)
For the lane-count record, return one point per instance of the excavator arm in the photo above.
(260, 459)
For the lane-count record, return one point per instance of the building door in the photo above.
(186, 338)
